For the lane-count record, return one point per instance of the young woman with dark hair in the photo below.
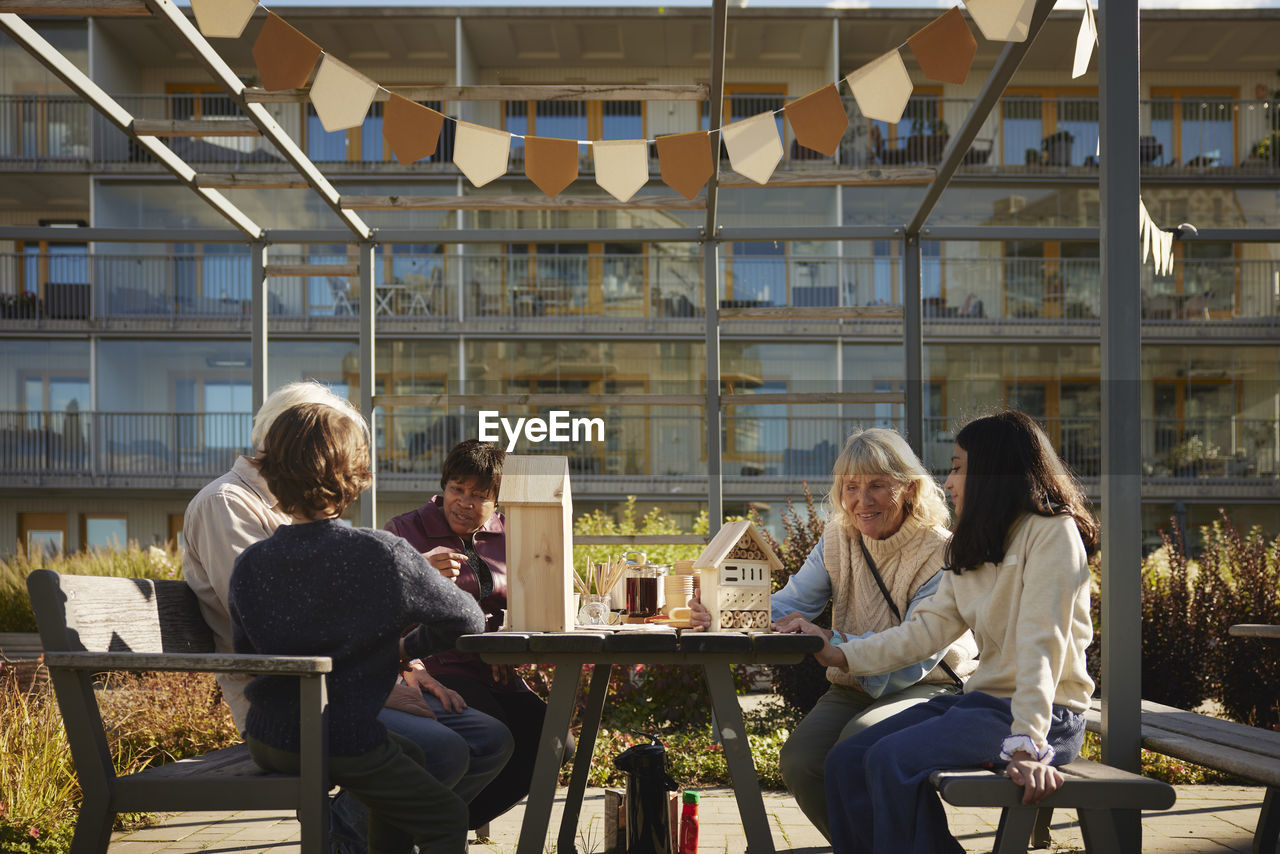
(1020, 580)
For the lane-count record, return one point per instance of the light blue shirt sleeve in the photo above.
(807, 592)
(888, 683)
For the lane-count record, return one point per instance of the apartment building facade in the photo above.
(125, 381)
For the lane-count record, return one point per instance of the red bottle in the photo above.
(689, 823)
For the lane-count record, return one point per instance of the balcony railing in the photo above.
(778, 447)
(194, 285)
(1191, 134)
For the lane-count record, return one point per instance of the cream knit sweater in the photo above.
(906, 560)
(1030, 616)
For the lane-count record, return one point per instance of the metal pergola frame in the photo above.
(1120, 263)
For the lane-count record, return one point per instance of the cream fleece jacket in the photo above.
(1030, 616)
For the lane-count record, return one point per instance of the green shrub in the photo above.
(1174, 667)
(150, 719)
(133, 562)
(1240, 583)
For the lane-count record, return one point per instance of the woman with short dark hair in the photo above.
(463, 537)
(1019, 578)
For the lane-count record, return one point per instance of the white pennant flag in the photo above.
(1085, 40)
(1168, 252)
(341, 95)
(1002, 20)
(223, 19)
(622, 166)
(754, 146)
(481, 153)
(1144, 230)
(882, 88)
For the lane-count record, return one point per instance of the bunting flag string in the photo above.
(944, 49)
(341, 96)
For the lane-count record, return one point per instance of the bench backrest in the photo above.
(78, 613)
(98, 614)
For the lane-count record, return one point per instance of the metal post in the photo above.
(711, 274)
(258, 325)
(368, 345)
(1121, 377)
(912, 343)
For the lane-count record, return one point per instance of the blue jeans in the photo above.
(879, 797)
(464, 751)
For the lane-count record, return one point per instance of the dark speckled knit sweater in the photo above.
(322, 588)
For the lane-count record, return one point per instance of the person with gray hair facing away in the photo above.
(465, 748)
(879, 557)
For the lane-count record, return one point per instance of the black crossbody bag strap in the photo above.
(875, 573)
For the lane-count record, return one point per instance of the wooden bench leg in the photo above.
(1111, 831)
(1014, 832)
(93, 827)
(1264, 838)
(1040, 833)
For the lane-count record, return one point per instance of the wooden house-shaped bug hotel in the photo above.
(736, 577)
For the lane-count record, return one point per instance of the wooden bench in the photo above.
(1106, 799)
(91, 625)
(16, 646)
(1228, 746)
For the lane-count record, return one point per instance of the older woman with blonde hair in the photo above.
(880, 555)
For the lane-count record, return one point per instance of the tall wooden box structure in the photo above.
(539, 511)
(735, 573)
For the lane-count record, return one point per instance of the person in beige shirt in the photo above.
(1019, 579)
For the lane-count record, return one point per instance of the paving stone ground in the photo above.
(1205, 820)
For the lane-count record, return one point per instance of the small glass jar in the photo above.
(595, 610)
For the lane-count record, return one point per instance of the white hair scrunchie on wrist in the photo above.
(1013, 743)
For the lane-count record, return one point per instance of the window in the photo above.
(919, 136)
(1054, 127)
(1195, 126)
(43, 533)
(1050, 278)
(103, 532)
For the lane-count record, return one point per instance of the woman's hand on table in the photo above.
(1037, 779)
(699, 616)
(795, 623)
(425, 682)
(446, 561)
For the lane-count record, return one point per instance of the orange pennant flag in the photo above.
(945, 48)
(283, 55)
(685, 161)
(819, 120)
(410, 129)
(552, 164)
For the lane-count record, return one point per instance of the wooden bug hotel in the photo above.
(735, 573)
(539, 509)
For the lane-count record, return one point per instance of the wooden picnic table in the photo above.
(568, 652)
(1254, 630)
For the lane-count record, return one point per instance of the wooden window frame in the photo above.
(28, 522)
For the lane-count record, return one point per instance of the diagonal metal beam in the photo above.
(167, 11)
(997, 81)
(711, 272)
(52, 59)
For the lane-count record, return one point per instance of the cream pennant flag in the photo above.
(1085, 40)
(622, 166)
(1167, 254)
(882, 88)
(1144, 230)
(754, 146)
(223, 19)
(1002, 20)
(481, 153)
(341, 95)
